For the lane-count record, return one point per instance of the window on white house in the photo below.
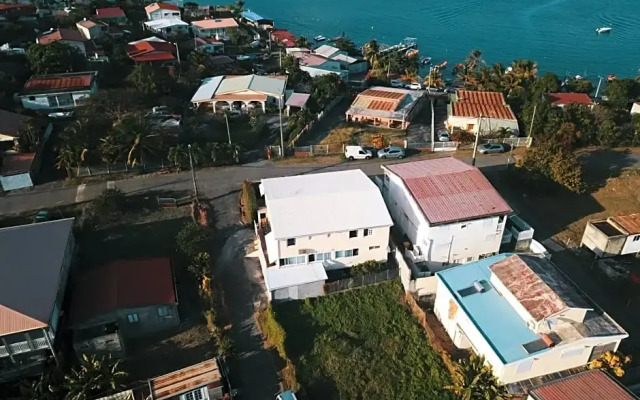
(133, 318)
(339, 254)
(291, 242)
(164, 311)
(463, 226)
(367, 232)
(457, 261)
(636, 238)
(353, 234)
(292, 260)
(469, 259)
(374, 247)
(194, 395)
(501, 219)
(319, 257)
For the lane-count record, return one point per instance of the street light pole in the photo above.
(177, 51)
(598, 88)
(433, 124)
(226, 118)
(475, 144)
(280, 115)
(193, 172)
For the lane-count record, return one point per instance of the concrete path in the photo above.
(252, 370)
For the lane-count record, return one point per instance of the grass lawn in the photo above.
(361, 344)
(364, 134)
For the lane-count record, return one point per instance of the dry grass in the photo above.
(364, 134)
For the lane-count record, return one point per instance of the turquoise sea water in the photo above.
(558, 34)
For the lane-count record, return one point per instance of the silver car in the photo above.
(490, 148)
(391, 152)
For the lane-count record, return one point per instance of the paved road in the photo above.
(212, 182)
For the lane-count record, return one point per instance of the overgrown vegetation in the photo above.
(473, 380)
(367, 267)
(612, 362)
(249, 203)
(361, 344)
(193, 239)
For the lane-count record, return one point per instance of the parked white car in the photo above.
(415, 86)
(357, 153)
(443, 136)
(397, 83)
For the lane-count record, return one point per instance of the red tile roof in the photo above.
(123, 284)
(160, 6)
(462, 109)
(534, 294)
(61, 34)
(588, 385)
(110, 12)
(630, 223)
(449, 190)
(468, 96)
(560, 99)
(148, 51)
(283, 36)
(59, 83)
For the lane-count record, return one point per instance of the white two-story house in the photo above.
(159, 10)
(313, 223)
(523, 315)
(447, 209)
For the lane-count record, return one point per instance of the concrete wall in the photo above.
(104, 344)
(163, 14)
(631, 245)
(601, 244)
(488, 125)
(313, 289)
(420, 286)
(16, 181)
(331, 242)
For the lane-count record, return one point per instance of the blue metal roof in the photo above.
(251, 16)
(491, 313)
(288, 395)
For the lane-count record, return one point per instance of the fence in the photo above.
(420, 146)
(420, 286)
(513, 142)
(361, 280)
(319, 118)
(317, 150)
(172, 202)
(118, 167)
(446, 146)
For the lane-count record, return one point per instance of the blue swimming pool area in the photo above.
(495, 318)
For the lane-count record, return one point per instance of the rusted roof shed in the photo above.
(588, 385)
(173, 384)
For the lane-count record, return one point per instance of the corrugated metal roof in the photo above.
(588, 385)
(30, 269)
(251, 16)
(468, 96)
(59, 83)
(323, 203)
(297, 100)
(150, 50)
(165, 23)
(326, 50)
(313, 60)
(207, 89)
(218, 23)
(449, 190)
(384, 94)
(280, 278)
(72, 35)
(110, 12)
(463, 109)
(123, 284)
(557, 99)
(187, 379)
(630, 223)
(160, 6)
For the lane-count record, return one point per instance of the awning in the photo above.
(284, 277)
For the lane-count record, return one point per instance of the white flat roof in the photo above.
(165, 23)
(279, 278)
(328, 202)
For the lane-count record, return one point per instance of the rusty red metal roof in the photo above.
(589, 385)
(561, 99)
(630, 223)
(71, 35)
(382, 94)
(500, 111)
(449, 190)
(59, 83)
(468, 96)
(123, 284)
(187, 379)
(381, 105)
(538, 298)
(151, 51)
(110, 12)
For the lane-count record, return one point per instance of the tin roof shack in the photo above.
(204, 381)
(614, 236)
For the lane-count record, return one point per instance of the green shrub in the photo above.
(111, 203)
(192, 239)
(275, 335)
(200, 265)
(368, 267)
(249, 203)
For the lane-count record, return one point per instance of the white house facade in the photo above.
(523, 315)
(59, 91)
(318, 222)
(218, 28)
(157, 11)
(448, 210)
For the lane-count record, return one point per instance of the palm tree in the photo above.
(139, 141)
(523, 73)
(94, 377)
(474, 59)
(110, 149)
(302, 41)
(436, 79)
(473, 380)
(239, 6)
(47, 386)
(372, 54)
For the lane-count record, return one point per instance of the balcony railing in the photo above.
(23, 347)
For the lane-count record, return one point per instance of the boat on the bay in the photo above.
(426, 61)
(442, 65)
(411, 53)
(611, 77)
(319, 38)
(604, 29)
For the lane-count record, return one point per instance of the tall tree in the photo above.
(473, 380)
(621, 91)
(94, 377)
(301, 41)
(140, 143)
(142, 79)
(54, 57)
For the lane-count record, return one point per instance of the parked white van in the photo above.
(357, 153)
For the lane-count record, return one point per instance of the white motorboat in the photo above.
(604, 29)
(320, 38)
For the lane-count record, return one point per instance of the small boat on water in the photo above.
(335, 39)
(426, 61)
(604, 29)
(319, 38)
(442, 65)
(611, 78)
(411, 53)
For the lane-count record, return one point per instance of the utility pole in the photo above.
(533, 118)
(193, 172)
(177, 51)
(598, 88)
(226, 118)
(280, 115)
(475, 144)
(433, 124)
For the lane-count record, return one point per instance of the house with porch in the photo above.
(524, 316)
(217, 28)
(253, 19)
(244, 92)
(122, 300)
(34, 268)
(205, 45)
(387, 107)
(447, 209)
(58, 91)
(167, 27)
(90, 29)
(480, 112)
(317, 222)
(316, 65)
(159, 10)
(297, 102)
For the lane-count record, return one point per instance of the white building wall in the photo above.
(41, 102)
(488, 124)
(163, 14)
(319, 71)
(631, 245)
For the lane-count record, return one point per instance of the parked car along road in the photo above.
(357, 153)
(391, 152)
(415, 86)
(490, 148)
(443, 136)
(397, 83)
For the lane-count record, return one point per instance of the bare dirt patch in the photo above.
(363, 134)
